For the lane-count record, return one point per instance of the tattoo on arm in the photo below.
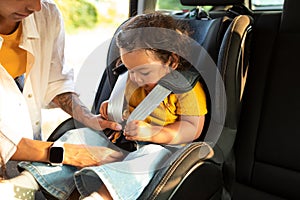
(72, 105)
(64, 101)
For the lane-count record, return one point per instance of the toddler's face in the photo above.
(144, 69)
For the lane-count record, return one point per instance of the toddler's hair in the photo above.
(151, 30)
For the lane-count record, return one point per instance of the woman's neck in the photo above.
(7, 28)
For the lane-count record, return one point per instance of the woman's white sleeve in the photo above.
(7, 149)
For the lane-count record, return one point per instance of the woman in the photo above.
(33, 76)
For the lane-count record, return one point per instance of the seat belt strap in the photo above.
(144, 109)
(176, 82)
(116, 99)
(149, 103)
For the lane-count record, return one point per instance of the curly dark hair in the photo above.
(157, 32)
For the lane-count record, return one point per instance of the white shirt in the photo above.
(46, 76)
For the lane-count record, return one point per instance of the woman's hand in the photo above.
(101, 122)
(97, 122)
(78, 155)
(72, 105)
(84, 156)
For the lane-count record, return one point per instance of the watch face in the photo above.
(56, 154)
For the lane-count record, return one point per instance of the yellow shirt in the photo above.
(191, 103)
(12, 57)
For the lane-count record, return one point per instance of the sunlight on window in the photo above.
(267, 4)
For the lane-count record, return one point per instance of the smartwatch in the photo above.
(56, 153)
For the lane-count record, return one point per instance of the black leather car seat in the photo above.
(266, 149)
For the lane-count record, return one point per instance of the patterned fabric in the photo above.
(24, 193)
(10, 191)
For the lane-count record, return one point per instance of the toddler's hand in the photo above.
(138, 130)
(103, 110)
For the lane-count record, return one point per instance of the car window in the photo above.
(171, 5)
(267, 4)
(174, 5)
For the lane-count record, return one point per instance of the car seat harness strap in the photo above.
(176, 82)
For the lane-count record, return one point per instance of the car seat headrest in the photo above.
(210, 2)
(180, 81)
(290, 17)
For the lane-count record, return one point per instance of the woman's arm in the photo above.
(32, 150)
(76, 155)
(185, 130)
(72, 105)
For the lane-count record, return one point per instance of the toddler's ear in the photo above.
(173, 61)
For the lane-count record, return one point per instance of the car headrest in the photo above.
(210, 2)
(290, 17)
